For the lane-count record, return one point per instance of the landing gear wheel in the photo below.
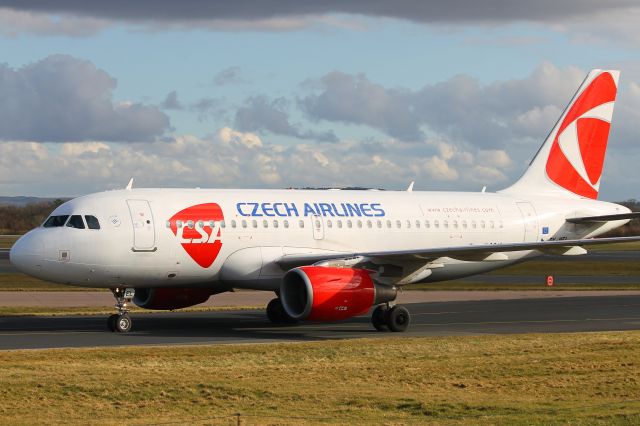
(277, 314)
(398, 318)
(378, 318)
(111, 322)
(123, 323)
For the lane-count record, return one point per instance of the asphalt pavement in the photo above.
(548, 315)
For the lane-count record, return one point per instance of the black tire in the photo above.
(123, 323)
(277, 314)
(398, 318)
(111, 322)
(274, 311)
(378, 318)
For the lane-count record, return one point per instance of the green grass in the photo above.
(6, 241)
(578, 379)
(546, 267)
(21, 282)
(618, 246)
(462, 285)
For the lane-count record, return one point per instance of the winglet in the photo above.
(130, 185)
(410, 188)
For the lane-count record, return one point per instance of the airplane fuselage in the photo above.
(151, 238)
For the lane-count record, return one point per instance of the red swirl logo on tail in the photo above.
(577, 154)
(198, 231)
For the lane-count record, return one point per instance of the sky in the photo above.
(453, 95)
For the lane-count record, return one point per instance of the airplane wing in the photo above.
(605, 218)
(470, 252)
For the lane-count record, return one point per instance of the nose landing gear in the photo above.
(121, 322)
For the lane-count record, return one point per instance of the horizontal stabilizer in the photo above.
(605, 218)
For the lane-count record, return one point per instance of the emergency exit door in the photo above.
(318, 227)
(530, 221)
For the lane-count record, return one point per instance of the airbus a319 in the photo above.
(329, 255)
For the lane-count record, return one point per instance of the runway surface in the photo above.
(549, 315)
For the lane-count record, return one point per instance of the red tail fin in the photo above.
(572, 157)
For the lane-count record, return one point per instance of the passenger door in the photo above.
(144, 234)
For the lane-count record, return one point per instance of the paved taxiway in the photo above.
(549, 315)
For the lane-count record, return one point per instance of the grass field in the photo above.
(6, 241)
(21, 282)
(589, 378)
(462, 285)
(560, 266)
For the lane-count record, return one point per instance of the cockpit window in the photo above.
(55, 221)
(92, 222)
(76, 222)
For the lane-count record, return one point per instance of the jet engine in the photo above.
(170, 298)
(319, 293)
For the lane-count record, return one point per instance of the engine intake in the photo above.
(170, 298)
(319, 293)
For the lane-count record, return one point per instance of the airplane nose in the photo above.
(26, 253)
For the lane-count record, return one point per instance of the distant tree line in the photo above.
(20, 219)
(16, 220)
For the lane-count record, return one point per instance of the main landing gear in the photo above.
(393, 318)
(277, 314)
(121, 322)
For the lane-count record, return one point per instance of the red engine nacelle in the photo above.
(170, 298)
(319, 293)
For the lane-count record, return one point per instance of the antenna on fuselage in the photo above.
(130, 184)
(410, 188)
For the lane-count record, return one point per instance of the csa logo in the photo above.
(577, 154)
(199, 233)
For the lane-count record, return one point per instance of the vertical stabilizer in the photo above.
(570, 160)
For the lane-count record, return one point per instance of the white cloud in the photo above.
(77, 149)
(321, 159)
(231, 158)
(494, 157)
(65, 99)
(233, 137)
(438, 168)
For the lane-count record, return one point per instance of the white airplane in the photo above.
(332, 254)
